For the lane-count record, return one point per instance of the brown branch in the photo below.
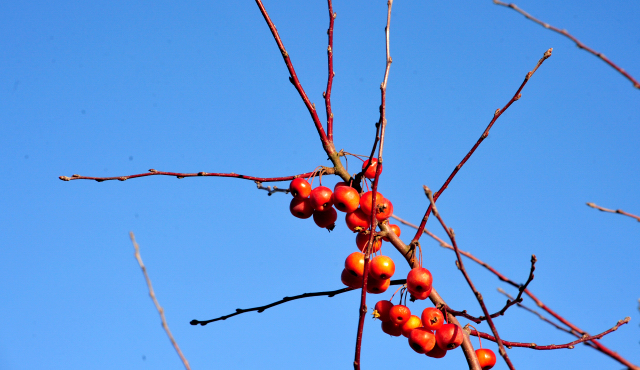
(270, 190)
(331, 74)
(260, 309)
(462, 269)
(484, 135)
(152, 294)
(579, 44)
(618, 211)
(152, 172)
(569, 345)
(577, 331)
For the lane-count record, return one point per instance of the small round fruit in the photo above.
(355, 264)
(375, 286)
(432, 318)
(321, 198)
(346, 199)
(395, 229)
(300, 188)
(437, 352)
(422, 340)
(449, 336)
(486, 358)
(412, 323)
(341, 183)
(325, 219)
(391, 328)
(362, 240)
(399, 314)
(366, 201)
(370, 173)
(419, 281)
(381, 310)
(384, 210)
(301, 207)
(422, 296)
(357, 221)
(351, 280)
(382, 267)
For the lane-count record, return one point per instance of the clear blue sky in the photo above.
(111, 88)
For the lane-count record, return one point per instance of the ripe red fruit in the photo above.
(346, 199)
(382, 267)
(391, 328)
(399, 314)
(381, 310)
(375, 286)
(366, 201)
(412, 323)
(300, 188)
(362, 240)
(301, 207)
(321, 198)
(357, 221)
(351, 280)
(437, 352)
(449, 336)
(432, 318)
(325, 219)
(422, 340)
(384, 210)
(355, 264)
(395, 229)
(341, 183)
(419, 282)
(370, 173)
(486, 358)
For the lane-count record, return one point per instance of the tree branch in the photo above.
(327, 93)
(618, 211)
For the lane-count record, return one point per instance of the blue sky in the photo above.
(111, 88)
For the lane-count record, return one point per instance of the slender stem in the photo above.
(327, 94)
(618, 211)
(152, 294)
(484, 135)
(635, 83)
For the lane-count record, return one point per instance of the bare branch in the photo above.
(331, 74)
(618, 211)
(579, 44)
(152, 294)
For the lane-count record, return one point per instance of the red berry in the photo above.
(326, 219)
(412, 323)
(357, 221)
(375, 286)
(321, 198)
(391, 328)
(419, 282)
(370, 173)
(395, 229)
(351, 280)
(301, 207)
(381, 310)
(437, 352)
(449, 336)
(341, 183)
(367, 199)
(362, 240)
(486, 358)
(355, 264)
(399, 314)
(382, 267)
(384, 210)
(346, 199)
(432, 318)
(300, 188)
(422, 340)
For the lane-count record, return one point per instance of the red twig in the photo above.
(618, 211)
(327, 94)
(152, 172)
(460, 264)
(569, 345)
(635, 83)
(484, 135)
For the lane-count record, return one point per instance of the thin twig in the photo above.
(152, 294)
(579, 44)
(618, 211)
(462, 269)
(569, 345)
(152, 172)
(484, 135)
(260, 309)
(271, 189)
(331, 74)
